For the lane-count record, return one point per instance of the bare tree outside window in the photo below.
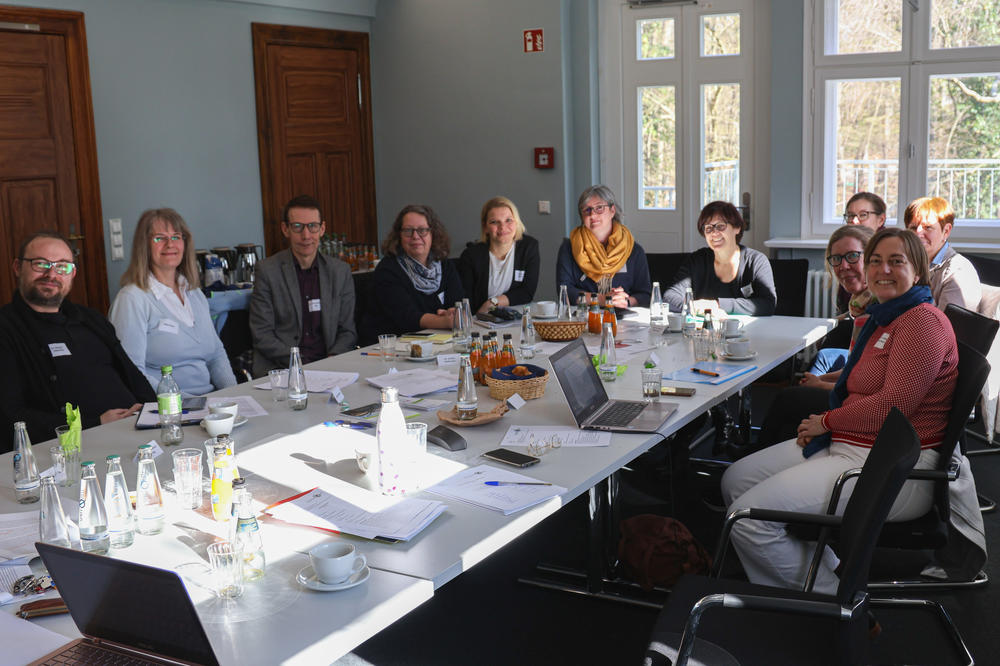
(658, 149)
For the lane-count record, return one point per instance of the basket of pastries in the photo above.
(559, 331)
(526, 380)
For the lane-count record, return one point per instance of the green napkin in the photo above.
(70, 440)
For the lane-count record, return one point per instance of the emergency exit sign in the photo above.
(534, 41)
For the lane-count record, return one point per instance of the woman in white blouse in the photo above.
(160, 314)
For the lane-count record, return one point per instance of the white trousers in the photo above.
(778, 477)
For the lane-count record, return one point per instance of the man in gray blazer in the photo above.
(300, 297)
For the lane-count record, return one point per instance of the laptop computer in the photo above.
(589, 402)
(131, 610)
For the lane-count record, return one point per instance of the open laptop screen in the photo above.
(128, 604)
(578, 380)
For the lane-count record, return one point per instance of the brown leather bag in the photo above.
(657, 550)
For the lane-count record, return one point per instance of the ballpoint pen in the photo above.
(516, 483)
(371, 353)
(705, 372)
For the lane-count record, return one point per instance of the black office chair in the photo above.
(790, 277)
(758, 624)
(663, 266)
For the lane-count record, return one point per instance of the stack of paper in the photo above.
(317, 508)
(470, 486)
(417, 382)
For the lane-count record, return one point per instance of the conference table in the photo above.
(280, 622)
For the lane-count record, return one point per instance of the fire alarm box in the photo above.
(545, 158)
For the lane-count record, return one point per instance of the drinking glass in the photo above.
(59, 466)
(72, 458)
(187, 477)
(703, 345)
(387, 347)
(279, 385)
(227, 569)
(651, 380)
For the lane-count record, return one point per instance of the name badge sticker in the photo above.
(314, 305)
(441, 297)
(168, 326)
(624, 269)
(59, 349)
(880, 343)
(518, 276)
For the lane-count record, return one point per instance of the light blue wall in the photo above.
(174, 110)
(786, 117)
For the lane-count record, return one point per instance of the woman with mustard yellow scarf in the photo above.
(602, 252)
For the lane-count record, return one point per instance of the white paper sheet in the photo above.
(18, 533)
(417, 381)
(24, 642)
(469, 485)
(248, 406)
(319, 381)
(521, 435)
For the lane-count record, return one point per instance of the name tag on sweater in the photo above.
(880, 343)
(441, 297)
(624, 269)
(518, 276)
(168, 326)
(314, 305)
(59, 349)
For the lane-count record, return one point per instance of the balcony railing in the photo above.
(720, 182)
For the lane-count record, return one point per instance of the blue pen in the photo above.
(354, 425)
(516, 483)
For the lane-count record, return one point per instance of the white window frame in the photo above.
(914, 64)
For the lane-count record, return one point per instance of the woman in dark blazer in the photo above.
(414, 285)
(502, 268)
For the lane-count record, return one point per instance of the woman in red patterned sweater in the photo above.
(905, 357)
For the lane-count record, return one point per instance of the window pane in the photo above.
(869, 26)
(656, 39)
(866, 139)
(963, 151)
(720, 127)
(720, 35)
(963, 23)
(658, 152)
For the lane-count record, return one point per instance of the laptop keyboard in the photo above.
(85, 653)
(619, 414)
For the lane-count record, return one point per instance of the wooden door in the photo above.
(48, 156)
(314, 127)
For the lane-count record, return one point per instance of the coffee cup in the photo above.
(545, 308)
(738, 347)
(334, 562)
(732, 328)
(675, 322)
(219, 424)
(421, 349)
(231, 407)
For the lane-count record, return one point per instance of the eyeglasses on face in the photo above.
(717, 227)
(895, 262)
(43, 265)
(173, 238)
(595, 210)
(850, 257)
(862, 215)
(297, 227)
(410, 232)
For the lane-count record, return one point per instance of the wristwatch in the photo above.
(495, 301)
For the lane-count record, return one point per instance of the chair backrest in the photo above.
(790, 277)
(890, 460)
(663, 266)
(972, 328)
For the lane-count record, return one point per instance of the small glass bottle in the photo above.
(52, 525)
(594, 318)
(656, 305)
(227, 441)
(564, 312)
(507, 353)
(27, 485)
(610, 318)
(467, 402)
(528, 339)
(121, 521)
(488, 359)
(393, 444)
(475, 353)
(689, 314)
(298, 394)
(93, 514)
(168, 404)
(245, 531)
(607, 361)
(148, 494)
(459, 334)
(222, 485)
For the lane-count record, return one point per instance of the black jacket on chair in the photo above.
(474, 268)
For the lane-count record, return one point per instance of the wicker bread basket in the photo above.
(529, 389)
(559, 331)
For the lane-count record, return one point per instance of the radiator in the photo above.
(821, 294)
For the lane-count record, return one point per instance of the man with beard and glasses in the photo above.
(53, 352)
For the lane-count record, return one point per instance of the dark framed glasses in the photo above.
(42, 265)
(851, 258)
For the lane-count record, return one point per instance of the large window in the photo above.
(903, 99)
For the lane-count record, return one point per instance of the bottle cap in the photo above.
(166, 369)
(113, 457)
(390, 394)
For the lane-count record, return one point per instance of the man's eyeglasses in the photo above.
(409, 232)
(297, 227)
(43, 265)
(862, 215)
(717, 227)
(173, 238)
(851, 258)
(595, 210)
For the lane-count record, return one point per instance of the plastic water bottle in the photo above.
(245, 531)
(168, 404)
(93, 515)
(148, 493)
(298, 395)
(607, 363)
(121, 520)
(27, 485)
(656, 305)
(52, 525)
(390, 434)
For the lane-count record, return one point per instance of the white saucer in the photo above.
(240, 420)
(307, 577)
(541, 316)
(421, 359)
(729, 357)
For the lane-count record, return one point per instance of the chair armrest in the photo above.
(773, 515)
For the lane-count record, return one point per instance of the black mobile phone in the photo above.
(509, 457)
(677, 390)
(363, 410)
(193, 404)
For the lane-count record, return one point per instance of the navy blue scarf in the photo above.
(881, 314)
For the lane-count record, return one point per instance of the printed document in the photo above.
(318, 381)
(470, 486)
(567, 436)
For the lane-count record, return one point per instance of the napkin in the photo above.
(70, 440)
